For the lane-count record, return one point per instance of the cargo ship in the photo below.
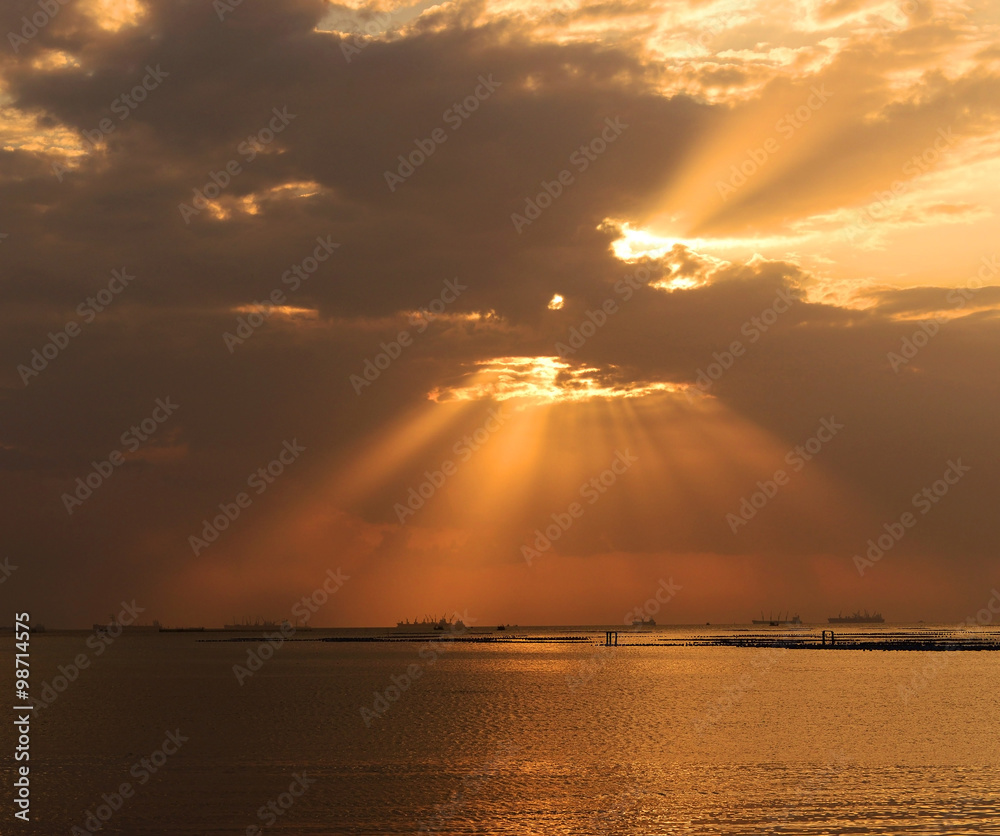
(643, 623)
(779, 621)
(858, 618)
(258, 625)
(429, 624)
(115, 627)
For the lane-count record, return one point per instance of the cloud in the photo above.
(260, 123)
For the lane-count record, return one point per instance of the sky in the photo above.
(522, 311)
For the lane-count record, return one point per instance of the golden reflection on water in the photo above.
(533, 738)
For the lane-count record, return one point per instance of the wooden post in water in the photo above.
(832, 640)
(607, 637)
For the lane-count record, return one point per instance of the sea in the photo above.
(532, 731)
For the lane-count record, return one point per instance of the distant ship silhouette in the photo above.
(116, 627)
(858, 618)
(430, 624)
(779, 621)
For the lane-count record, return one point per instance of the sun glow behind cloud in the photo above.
(113, 15)
(692, 460)
(545, 380)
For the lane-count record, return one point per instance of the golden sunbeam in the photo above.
(392, 447)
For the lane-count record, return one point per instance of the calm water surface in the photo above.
(533, 738)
